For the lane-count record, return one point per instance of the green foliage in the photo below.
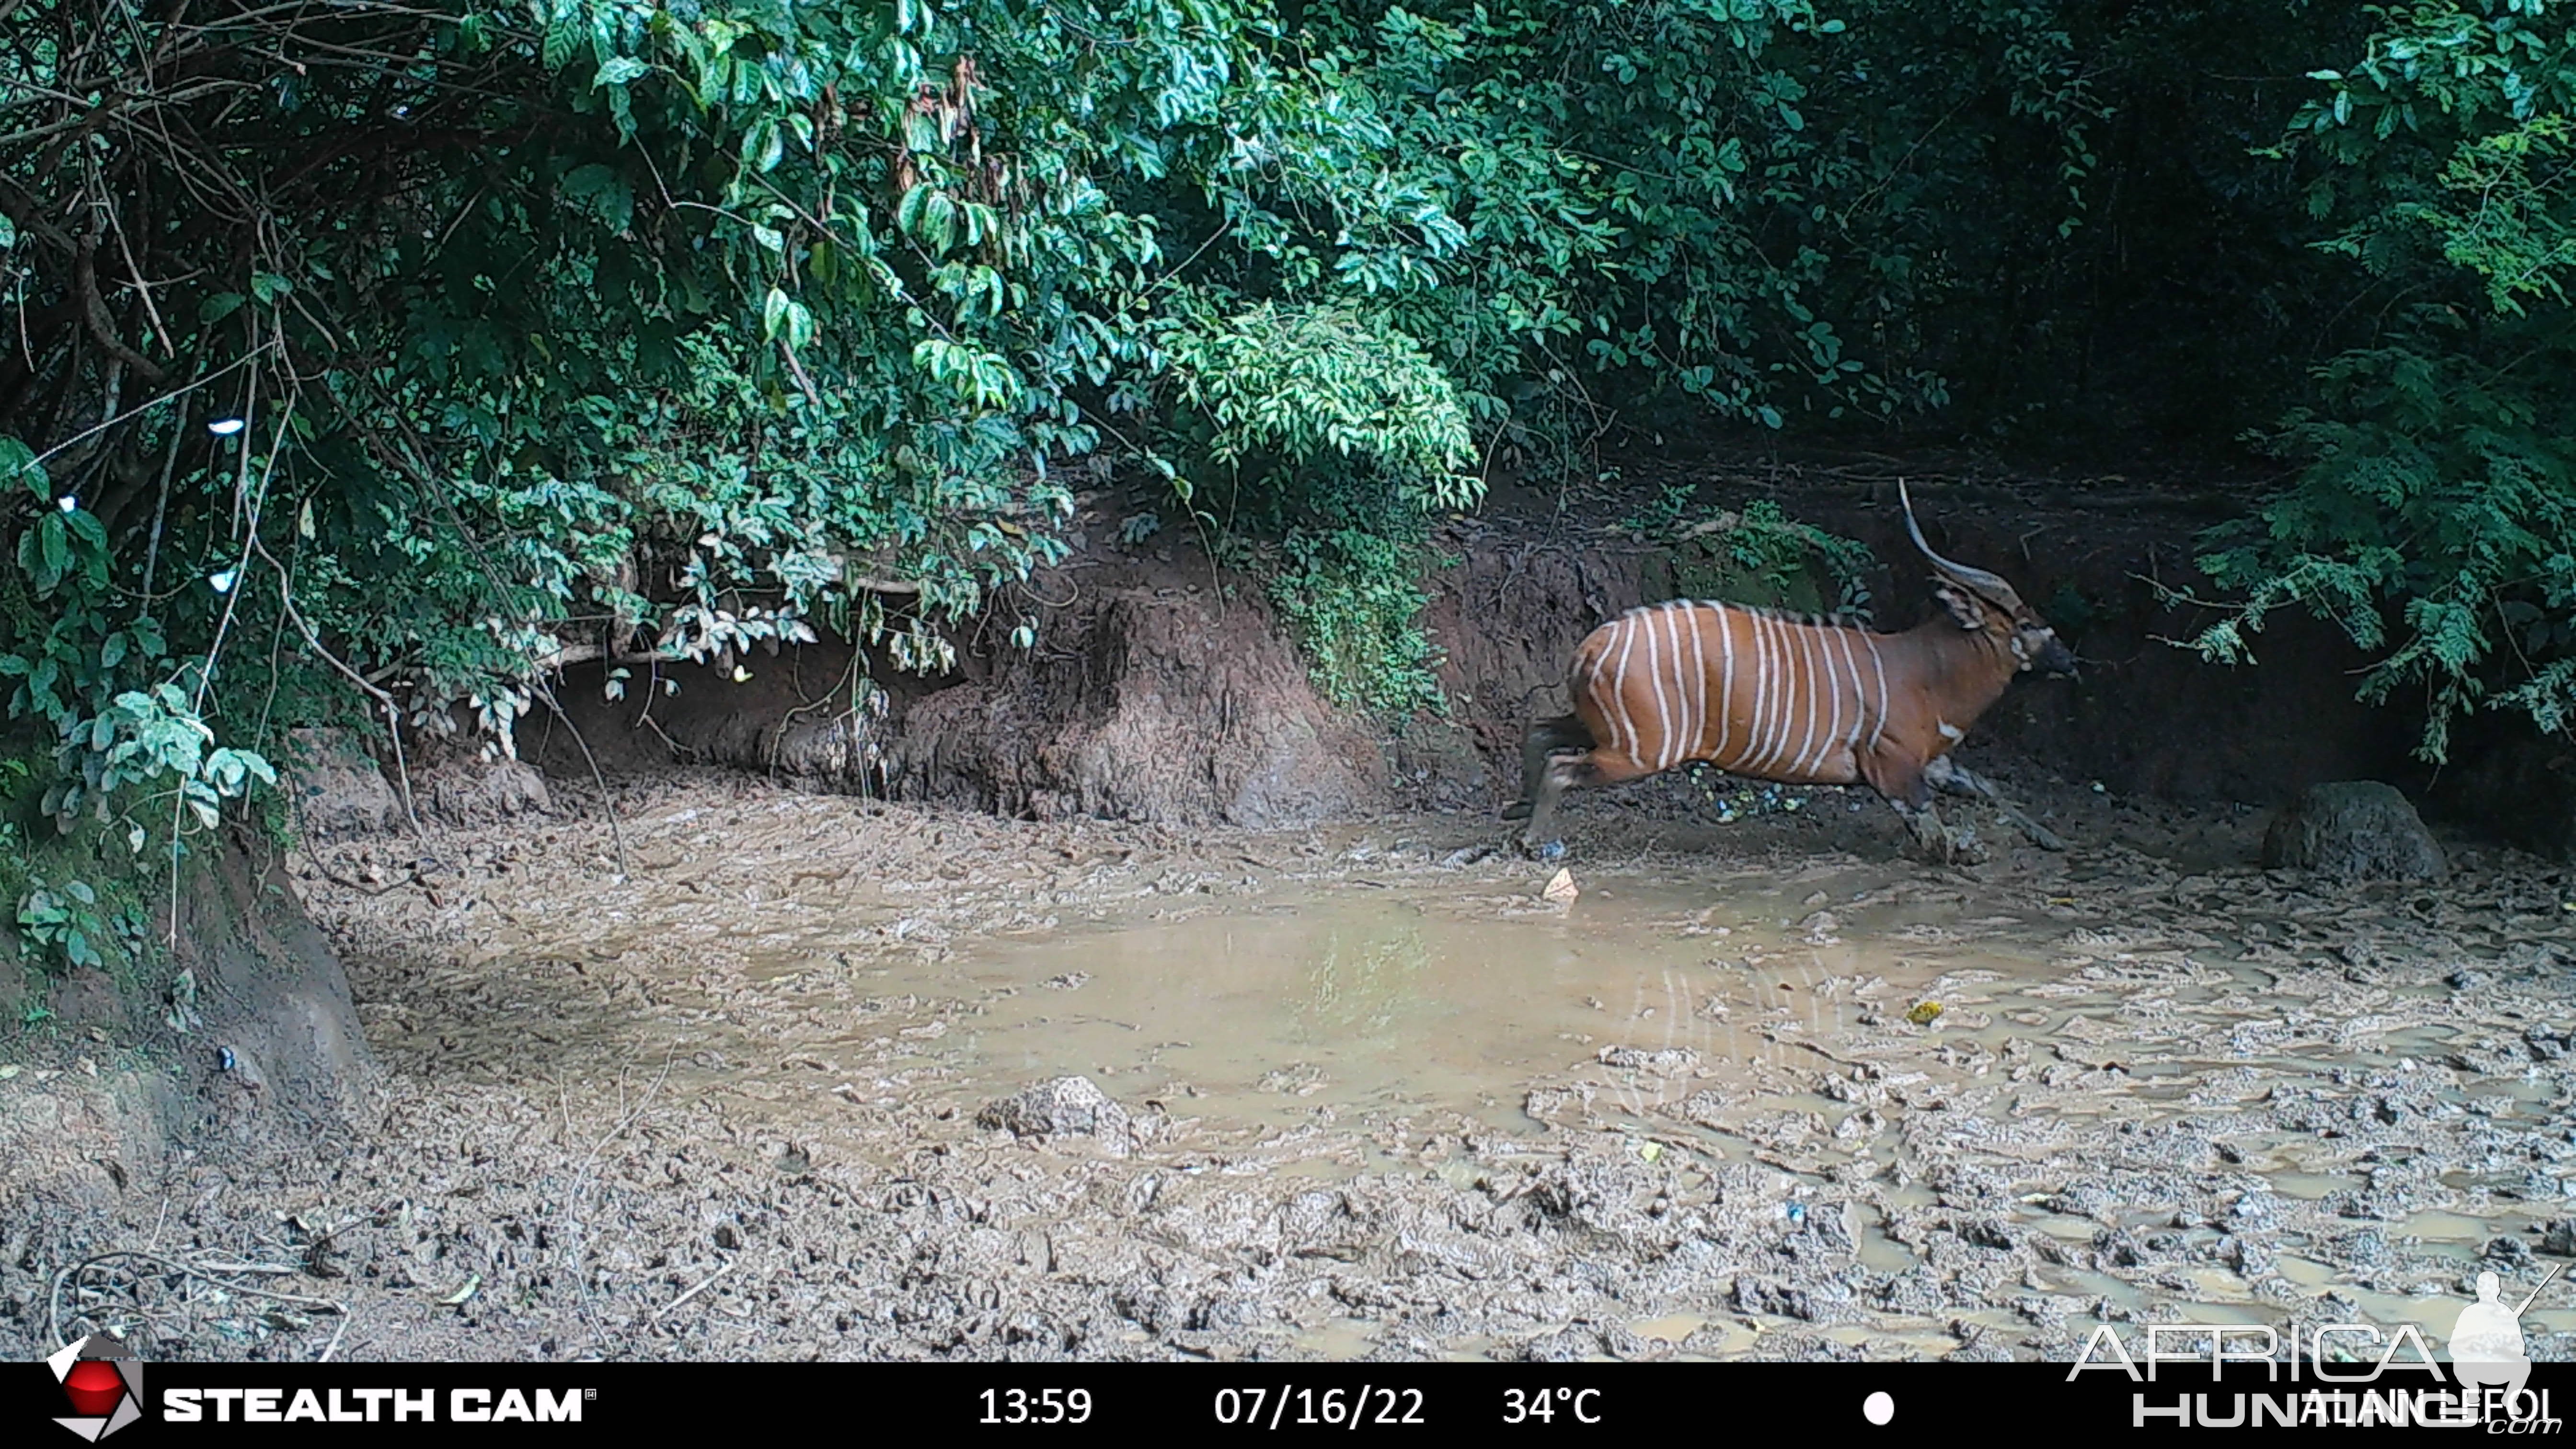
(1665, 513)
(372, 363)
(2434, 517)
(1349, 597)
(144, 739)
(1337, 435)
(64, 920)
(1765, 544)
(503, 335)
(1758, 556)
(1327, 389)
(1616, 177)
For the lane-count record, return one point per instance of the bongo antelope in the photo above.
(1800, 700)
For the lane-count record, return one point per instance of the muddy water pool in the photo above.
(2147, 1091)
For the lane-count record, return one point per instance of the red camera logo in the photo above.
(104, 1381)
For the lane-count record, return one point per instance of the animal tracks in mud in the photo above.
(1428, 1111)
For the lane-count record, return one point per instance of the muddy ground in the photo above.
(751, 1076)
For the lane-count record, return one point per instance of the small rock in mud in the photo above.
(2252, 1261)
(1297, 1079)
(1566, 1345)
(1780, 1300)
(2559, 1238)
(2507, 1253)
(1069, 981)
(1560, 889)
(1065, 1107)
(2352, 830)
(1707, 1109)
(1663, 1062)
(460, 786)
(2078, 1200)
(1544, 1102)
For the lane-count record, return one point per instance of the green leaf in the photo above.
(269, 286)
(18, 464)
(603, 193)
(621, 70)
(218, 307)
(53, 551)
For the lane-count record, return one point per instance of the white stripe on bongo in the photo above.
(1884, 704)
(1860, 696)
(1663, 708)
(1768, 710)
(1619, 686)
(1725, 688)
(1793, 692)
(1605, 696)
(1699, 680)
(1680, 623)
(1759, 654)
(1810, 695)
(1682, 723)
(1832, 686)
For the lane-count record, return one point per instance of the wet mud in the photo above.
(777, 1075)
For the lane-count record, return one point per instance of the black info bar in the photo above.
(181, 1403)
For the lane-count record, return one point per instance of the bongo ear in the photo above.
(1965, 608)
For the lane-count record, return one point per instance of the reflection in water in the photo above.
(1359, 991)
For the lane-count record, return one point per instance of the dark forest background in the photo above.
(367, 361)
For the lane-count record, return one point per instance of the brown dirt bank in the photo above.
(1162, 690)
(240, 1036)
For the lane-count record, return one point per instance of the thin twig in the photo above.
(144, 407)
(703, 1285)
(54, 1298)
(313, 641)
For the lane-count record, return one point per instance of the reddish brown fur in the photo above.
(1814, 702)
(1760, 695)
